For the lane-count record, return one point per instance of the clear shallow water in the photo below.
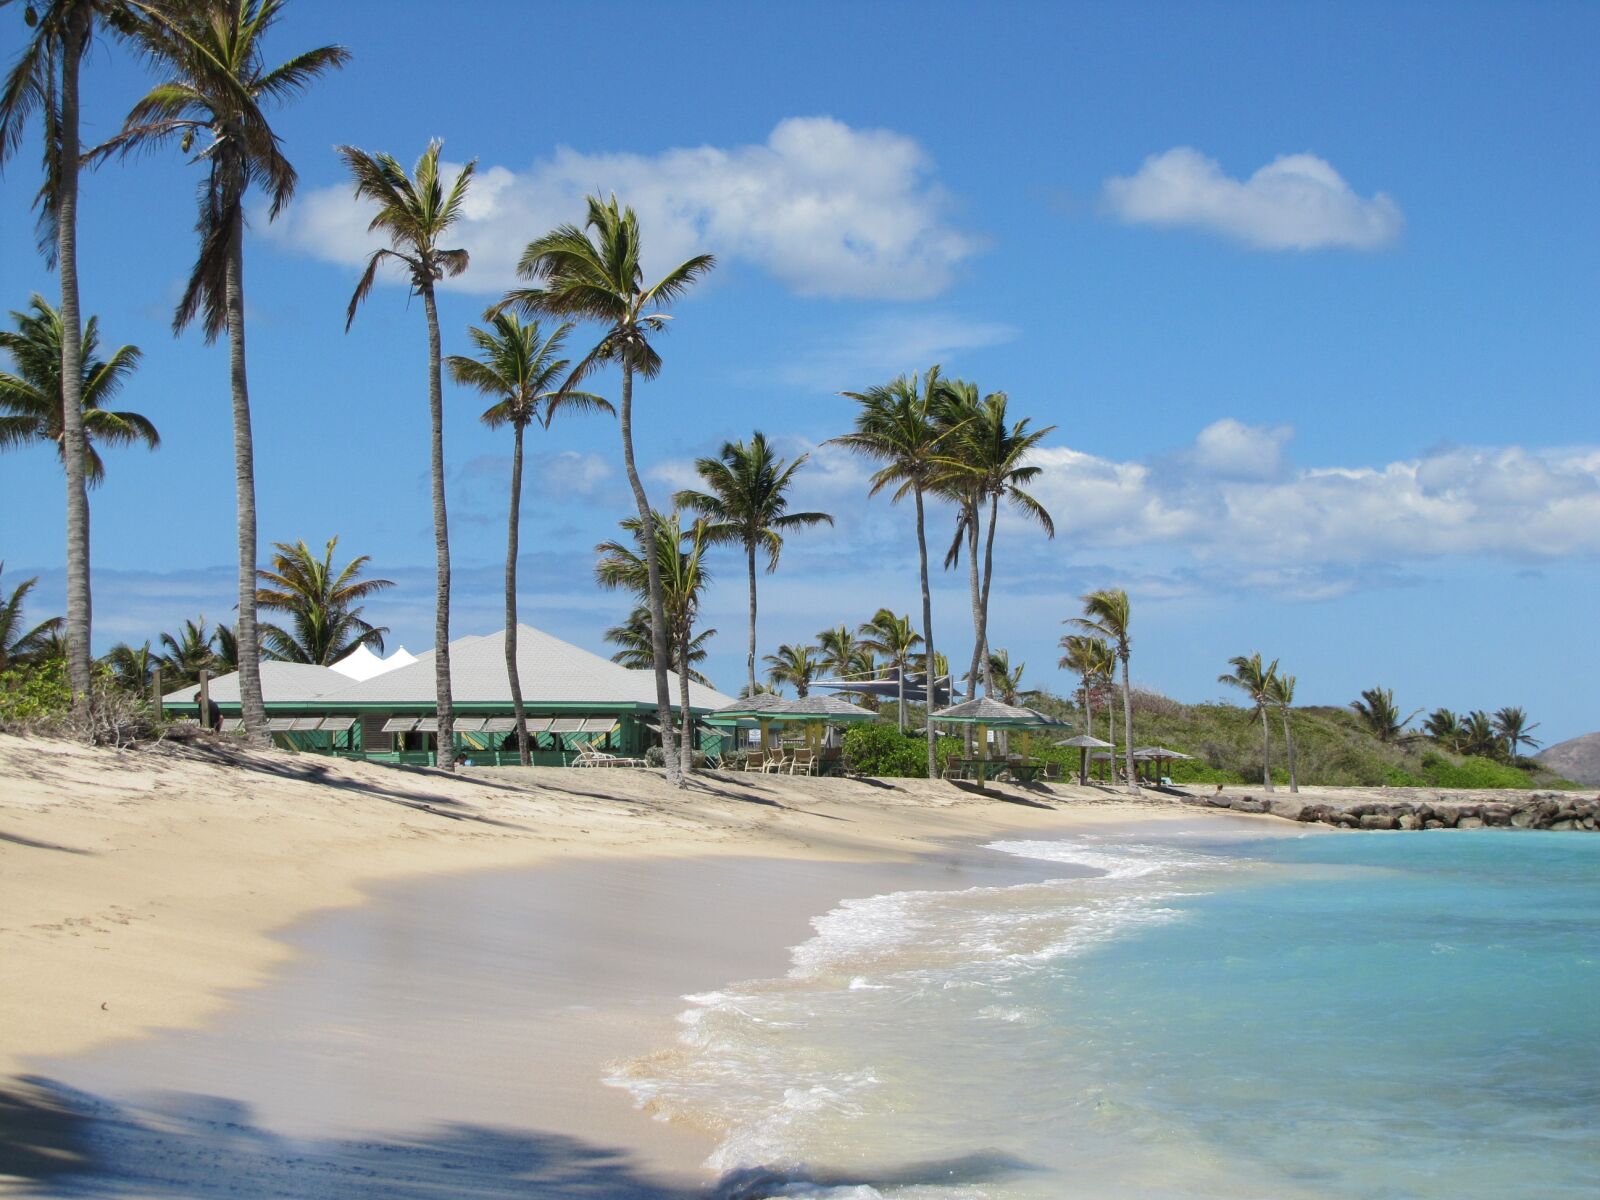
(1363, 1015)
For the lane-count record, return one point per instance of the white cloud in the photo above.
(1231, 449)
(874, 350)
(827, 209)
(1295, 202)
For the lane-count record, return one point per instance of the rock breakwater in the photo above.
(1437, 810)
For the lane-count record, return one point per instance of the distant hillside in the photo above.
(1576, 758)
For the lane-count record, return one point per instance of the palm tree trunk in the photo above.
(74, 446)
(251, 701)
(685, 722)
(988, 578)
(901, 672)
(445, 740)
(658, 619)
(927, 637)
(975, 672)
(1127, 723)
(750, 658)
(524, 755)
(1266, 751)
(1288, 742)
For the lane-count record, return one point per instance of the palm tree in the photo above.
(1478, 736)
(896, 642)
(518, 366)
(1106, 614)
(132, 668)
(322, 604)
(895, 425)
(19, 644)
(45, 80)
(637, 651)
(31, 404)
(188, 652)
(227, 651)
(1377, 711)
(599, 279)
(844, 657)
(746, 504)
(798, 665)
(1005, 681)
(1092, 659)
(679, 557)
(217, 84)
(1281, 693)
(1512, 725)
(1257, 682)
(415, 212)
(1444, 727)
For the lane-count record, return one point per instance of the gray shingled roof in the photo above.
(551, 671)
(281, 683)
(988, 711)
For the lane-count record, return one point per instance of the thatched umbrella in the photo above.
(1083, 743)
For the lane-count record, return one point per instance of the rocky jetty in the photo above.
(1432, 810)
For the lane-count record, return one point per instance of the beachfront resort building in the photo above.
(572, 699)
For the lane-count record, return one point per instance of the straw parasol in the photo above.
(1158, 754)
(1084, 743)
(768, 708)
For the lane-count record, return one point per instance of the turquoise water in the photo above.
(1345, 1015)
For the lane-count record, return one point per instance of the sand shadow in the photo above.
(18, 839)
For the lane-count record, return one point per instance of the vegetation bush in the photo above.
(654, 756)
(33, 696)
(883, 751)
(1443, 771)
(37, 699)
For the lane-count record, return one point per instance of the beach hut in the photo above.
(814, 713)
(987, 713)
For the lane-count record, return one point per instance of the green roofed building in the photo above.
(571, 697)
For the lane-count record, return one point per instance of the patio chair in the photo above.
(803, 762)
(755, 760)
(776, 764)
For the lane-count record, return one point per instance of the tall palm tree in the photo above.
(1512, 725)
(1444, 727)
(1257, 682)
(322, 603)
(893, 638)
(216, 86)
(895, 425)
(1478, 736)
(1092, 659)
(188, 652)
(518, 365)
(845, 657)
(598, 278)
(18, 643)
(1281, 694)
(1377, 711)
(31, 404)
(1106, 614)
(679, 557)
(636, 649)
(415, 212)
(44, 80)
(798, 665)
(746, 504)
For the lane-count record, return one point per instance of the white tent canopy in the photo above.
(362, 664)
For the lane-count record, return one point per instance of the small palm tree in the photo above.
(1478, 736)
(1444, 727)
(893, 639)
(518, 366)
(1281, 694)
(31, 401)
(798, 665)
(1093, 661)
(216, 88)
(132, 668)
(1107, 614)
(895, 424)
(1512, 725)
(323, 605)
(845, 657)
(1377, 711)
(1005, 680)
(1257, 682)
(18, 643)
(599, 278)
(746, 504)
(227, 651)
(415, 212)
(679, 555)
(188, 652)
(637, 653)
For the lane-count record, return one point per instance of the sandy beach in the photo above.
(148, 896)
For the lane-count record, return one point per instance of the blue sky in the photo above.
(1308, 291)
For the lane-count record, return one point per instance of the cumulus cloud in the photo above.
(827, 209)
(1230, 449)
(1295, 202)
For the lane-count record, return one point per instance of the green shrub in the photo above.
(31, 696)
(655, 756)
(1471, 773)
(883, 751)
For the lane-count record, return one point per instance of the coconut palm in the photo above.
(637, 652)
(44, 80)
(1281, 693)
(1376, 710)
(1255, 681)
(893, 639)
(844, 657)
(415, 212)
(746, 504)
(188, 652)
(1092, 659)
(797, 665)
(598, 278)
(1478, 736)
(18, 643)
(1444, 727)
(227, 651)
(895, 425)
(1512, 725)
(323, 605)
(1005, 681)
(518, 365)
(31, 405)
(679, 555)
(215, 88)
(132, 668)
(1107, 614)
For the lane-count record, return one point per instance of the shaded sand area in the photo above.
(453, 964)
